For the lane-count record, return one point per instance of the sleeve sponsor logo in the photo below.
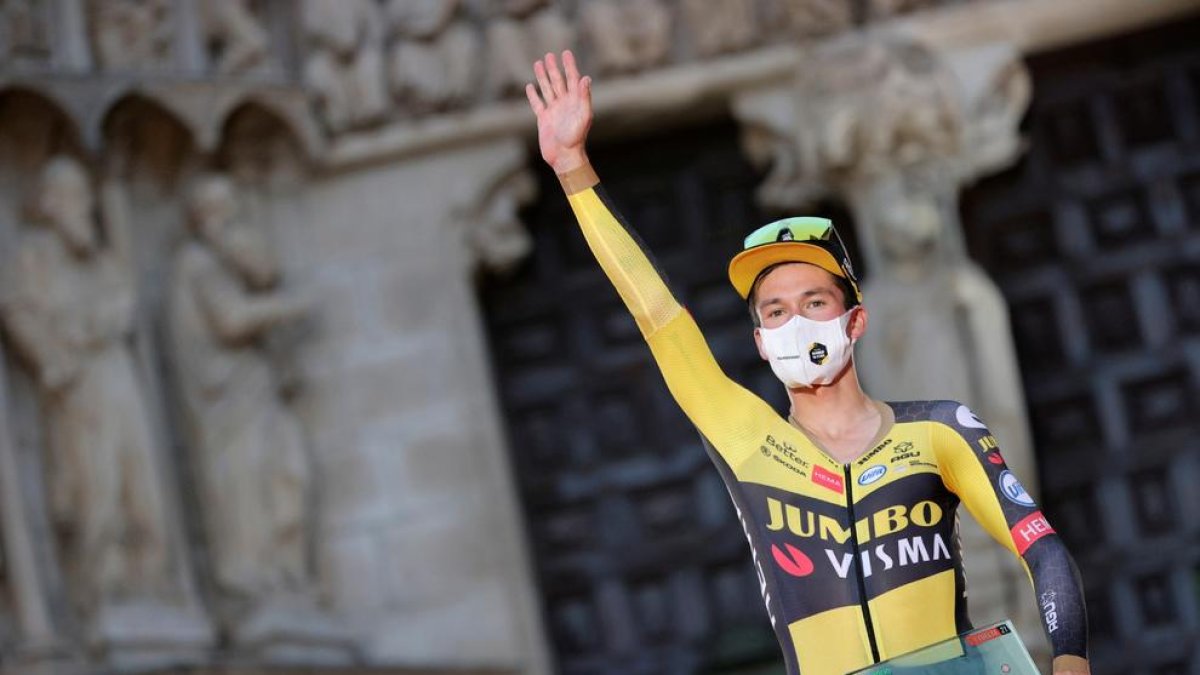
(967, 419)
(1014, 491)
(986, 635)
(1050, 610)
(828, 479)
(872, 474)
(1030, 529)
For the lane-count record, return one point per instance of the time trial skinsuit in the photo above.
(857, 562)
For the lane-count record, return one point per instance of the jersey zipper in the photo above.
(858, 574)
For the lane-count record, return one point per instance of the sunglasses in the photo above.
(807, 230)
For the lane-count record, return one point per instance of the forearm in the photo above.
(1059, 596)
(621, 255)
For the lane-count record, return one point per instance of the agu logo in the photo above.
(1014, 491)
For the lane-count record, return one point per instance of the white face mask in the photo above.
(803, 352)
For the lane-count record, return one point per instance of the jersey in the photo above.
(857, 562)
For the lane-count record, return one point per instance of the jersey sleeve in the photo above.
(711, 400)
(973, 469)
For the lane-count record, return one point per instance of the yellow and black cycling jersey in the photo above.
(857, 562)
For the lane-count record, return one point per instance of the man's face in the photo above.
(798, 288)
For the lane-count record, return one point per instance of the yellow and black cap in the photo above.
(807, 239)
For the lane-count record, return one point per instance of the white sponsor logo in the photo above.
(872, 474)
(1050, 611)
(967, 419)
(908, 551)
(1014, 491)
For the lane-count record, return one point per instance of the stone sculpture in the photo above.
(235, 35)
(520, 33)
(131, 33)
(721, 25)
(433, 62)
(345, 61)
(626, 35)
(249, 453)
(68, 308)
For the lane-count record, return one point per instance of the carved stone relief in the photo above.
(131, 33)
(433, 61)
(514, 40)
(236, 38)
(626, 35)
(24, 31)
(721, 25)
(345, 62)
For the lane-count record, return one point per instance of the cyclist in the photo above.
(849, 503)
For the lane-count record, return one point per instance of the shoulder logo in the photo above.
(1013, 490)
(967, 419)
(872, 474)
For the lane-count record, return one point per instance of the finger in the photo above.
(539, 70)
(572, 70)
(556, 78)
(535, 101)
(586, 85)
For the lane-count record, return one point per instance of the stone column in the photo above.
(895, 130)
(421, 541)
(26, 578)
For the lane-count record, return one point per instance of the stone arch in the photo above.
(147, 138)
(260, 142)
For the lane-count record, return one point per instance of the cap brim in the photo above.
(747, 265)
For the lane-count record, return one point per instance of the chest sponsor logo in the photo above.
(903, 451)
(883, 522)
(1013, 490)
(792, 560)
(1030, 529)
(967, 419)
(872, 474)
(828, 479)
(867, 457)
(899, 553)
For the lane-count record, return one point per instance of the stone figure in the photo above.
(626, 35)
(516, 37)
(234, 34)
(131, 33)
(68, 307)
(817, 17)
(433, 62)
(247, 445)
(23, 31)
(718, 26)
(345, 63)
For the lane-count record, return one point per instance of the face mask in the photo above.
(803, 352)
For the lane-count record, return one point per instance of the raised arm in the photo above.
(973, 469)
(563, 105)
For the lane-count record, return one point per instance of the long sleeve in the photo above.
(714, 403)
(973, 469)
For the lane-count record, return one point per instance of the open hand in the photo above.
(564, 111)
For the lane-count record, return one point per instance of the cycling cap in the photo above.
(805, 239)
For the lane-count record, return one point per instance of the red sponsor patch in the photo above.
(794, 562)
(985, 635)
(1030, 529)
(995, 458)
(829, 479)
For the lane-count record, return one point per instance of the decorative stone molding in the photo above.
(492, 231)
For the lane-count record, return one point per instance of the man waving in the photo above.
(849, 503)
